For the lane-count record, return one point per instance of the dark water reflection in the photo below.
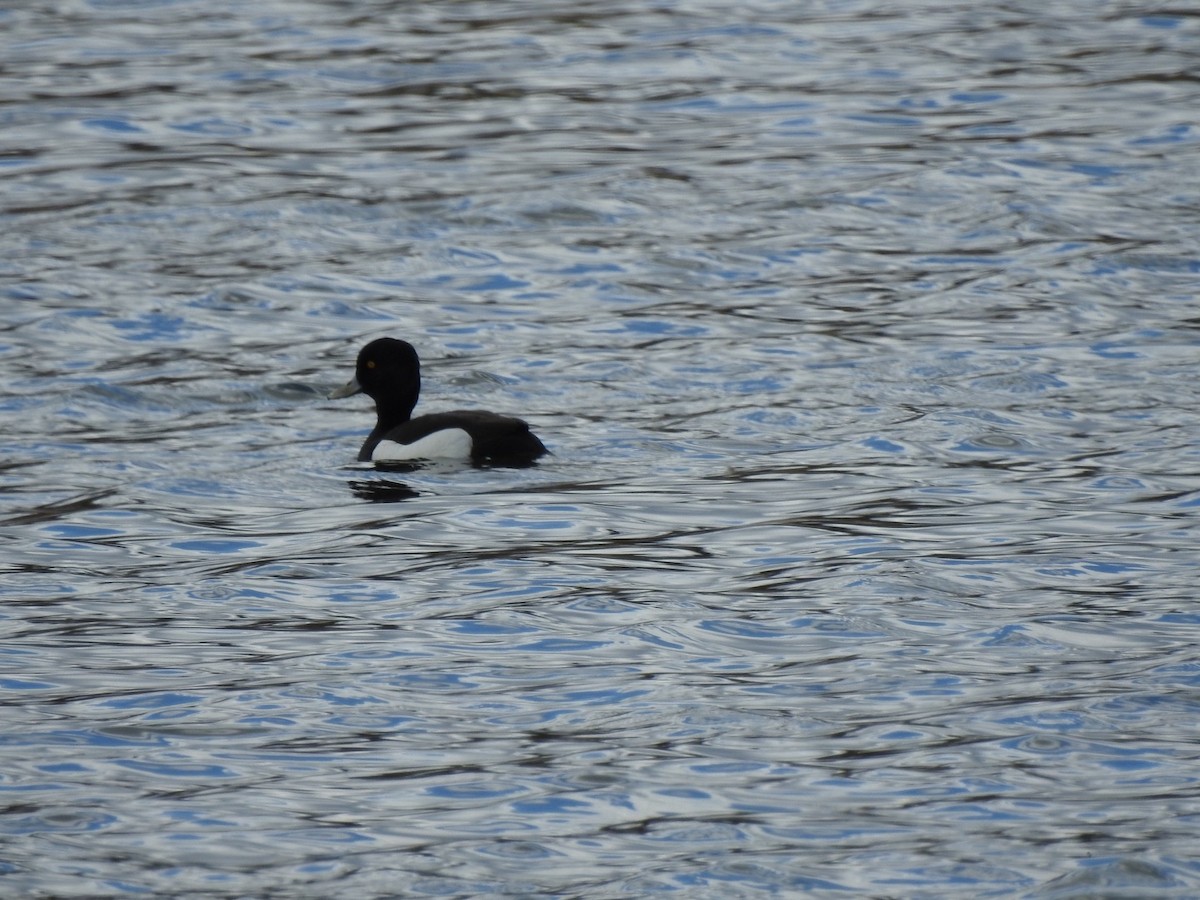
(382, 490)
(865, 341)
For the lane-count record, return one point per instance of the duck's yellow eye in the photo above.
(370, 363)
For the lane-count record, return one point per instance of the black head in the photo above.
(387, 366)
(388, 372)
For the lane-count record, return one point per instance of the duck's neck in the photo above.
(390, 412)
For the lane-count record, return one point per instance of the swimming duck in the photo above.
(389, 372)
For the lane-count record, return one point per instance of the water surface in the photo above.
(865, 340)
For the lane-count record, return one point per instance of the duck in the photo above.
(389, 372)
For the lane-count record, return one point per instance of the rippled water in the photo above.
(865, 339)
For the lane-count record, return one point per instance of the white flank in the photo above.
(449, 443)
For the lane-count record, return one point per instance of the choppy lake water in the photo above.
(866, 340)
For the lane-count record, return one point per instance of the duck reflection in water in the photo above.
(382, 491)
